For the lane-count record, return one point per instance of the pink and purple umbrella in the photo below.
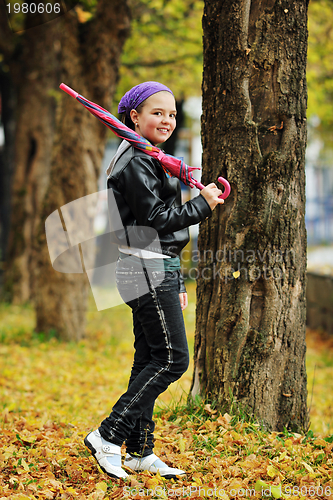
(174, 166)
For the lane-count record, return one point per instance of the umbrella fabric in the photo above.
(174, 166)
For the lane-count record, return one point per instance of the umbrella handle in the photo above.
(227, 187)
(222, 180)
(69, 90)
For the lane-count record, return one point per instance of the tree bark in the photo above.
(8, 108)
(250, 323)
(60, 152)
(61, 302)
(35, 73)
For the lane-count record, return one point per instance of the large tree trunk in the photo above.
(35, 74)
(250, 325)
(8, 108)
(61, 301)
(60, 152)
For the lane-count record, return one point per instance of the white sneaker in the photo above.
(153, 464)
(108, 455)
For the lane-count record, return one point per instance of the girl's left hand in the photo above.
(183, 300)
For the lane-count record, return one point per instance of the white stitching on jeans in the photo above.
(167, 341)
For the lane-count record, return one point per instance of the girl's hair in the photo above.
(127, 119)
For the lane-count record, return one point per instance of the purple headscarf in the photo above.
(138, 94)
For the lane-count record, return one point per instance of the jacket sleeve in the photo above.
(140, 186)
(182, 287)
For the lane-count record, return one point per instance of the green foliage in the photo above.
(89, 5)
(320, 61)
(16, 18)
(165, 45)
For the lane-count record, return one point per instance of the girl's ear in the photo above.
(134, 116)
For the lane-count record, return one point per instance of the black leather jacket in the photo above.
(149, 204)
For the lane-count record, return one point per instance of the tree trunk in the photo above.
(8, 108)
(60, 152)
(35, 74)
(250, 324)
(61, 301)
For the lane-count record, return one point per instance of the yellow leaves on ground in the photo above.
(50, 461)
(53, 394)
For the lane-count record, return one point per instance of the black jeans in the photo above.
(161, 352)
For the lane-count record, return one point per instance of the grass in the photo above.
(65, 373)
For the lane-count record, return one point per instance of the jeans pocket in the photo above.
(155, 277)
(170, 281)
(129, 292)
(131, 288)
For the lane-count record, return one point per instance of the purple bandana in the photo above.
(138, 94)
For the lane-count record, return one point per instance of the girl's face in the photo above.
(157, 119)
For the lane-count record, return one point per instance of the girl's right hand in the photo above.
(211, 194)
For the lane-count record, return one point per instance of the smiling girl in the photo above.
(149, 280)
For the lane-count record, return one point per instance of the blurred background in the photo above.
(164, 44)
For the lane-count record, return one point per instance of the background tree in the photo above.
(166, 40)
(250, 323)
(8, 105)
(31, 64)
(58, 146)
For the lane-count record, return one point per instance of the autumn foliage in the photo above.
(53, 393)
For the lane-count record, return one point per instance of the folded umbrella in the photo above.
(174, 166)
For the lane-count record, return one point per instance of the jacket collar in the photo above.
(124, 146)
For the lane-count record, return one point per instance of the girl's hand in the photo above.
(211, 194)
(183, 300)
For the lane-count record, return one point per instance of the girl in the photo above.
(148, 279)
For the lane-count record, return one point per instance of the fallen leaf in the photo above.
(268, 490)
(307, 467)
(209, 410)
(82, 15)
(102, 486)
(182, 444)
(271, 471)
